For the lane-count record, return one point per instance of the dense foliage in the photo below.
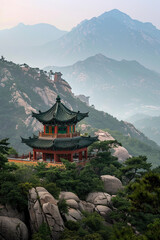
(136, 209)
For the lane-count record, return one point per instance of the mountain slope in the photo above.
(150, 126)
(119, 87)
(134, 146)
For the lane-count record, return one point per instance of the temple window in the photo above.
(62, 129)
(47, 129)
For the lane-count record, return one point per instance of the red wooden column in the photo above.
(34, 155)
(56, 129)
(80, 155)
(55, 157)
(67, 129)
(71, 157)
(44, 156)
(85, 154)
(44, 128)
(30, 156)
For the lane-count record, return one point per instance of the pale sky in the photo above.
(65, 14)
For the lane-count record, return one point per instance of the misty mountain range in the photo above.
(113, 34)
(29, 35)
(118, 87)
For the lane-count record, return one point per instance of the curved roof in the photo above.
(60, 143)
(58, 113)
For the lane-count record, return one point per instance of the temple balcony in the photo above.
(59, 135)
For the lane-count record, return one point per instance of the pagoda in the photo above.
(59, 138)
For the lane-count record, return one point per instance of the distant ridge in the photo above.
(29, 35)
(119, 87)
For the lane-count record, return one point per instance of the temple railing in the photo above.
(59, 135)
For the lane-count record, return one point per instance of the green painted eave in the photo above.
(60, 143)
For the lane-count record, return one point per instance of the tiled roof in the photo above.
(60, 143)
(58, 113)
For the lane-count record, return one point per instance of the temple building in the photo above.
(59, 138)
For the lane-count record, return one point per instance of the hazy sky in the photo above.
(66, 14)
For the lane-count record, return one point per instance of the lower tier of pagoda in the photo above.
(56, 156)
(55, 149)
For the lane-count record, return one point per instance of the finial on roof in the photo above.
(58, 99)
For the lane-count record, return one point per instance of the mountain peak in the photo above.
(20, 24)
(115, 13)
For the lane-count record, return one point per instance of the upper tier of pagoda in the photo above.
(59, 114)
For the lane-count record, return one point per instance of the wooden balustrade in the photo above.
(53, 135)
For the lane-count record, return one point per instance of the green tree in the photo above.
(90, 227)
(52, 189)
(11, 193)
(92, 221)
(43, 233)
(4, 146)
(120, 232)
(139, 204)
(12, 151)
(3, 152)
(103, 146)
(104, 162)
(153, 230)
(87, 181)
(93, 236)
(144, 194)
(134, 167)
(63, 207)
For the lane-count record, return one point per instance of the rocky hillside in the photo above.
(130, 145)
(24, 89)
(118, 87)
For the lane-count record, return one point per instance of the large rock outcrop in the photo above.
(43, 208)
(104, 211)
(111, 184)
(75, 206)
(101, 202)
(99, 198)
(120, 152)
(12, 229)
(8, 211)
(88, 207)
(96, 201)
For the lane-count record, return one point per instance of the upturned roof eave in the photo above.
(60, 144)
(55, 120)
(57, 112)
